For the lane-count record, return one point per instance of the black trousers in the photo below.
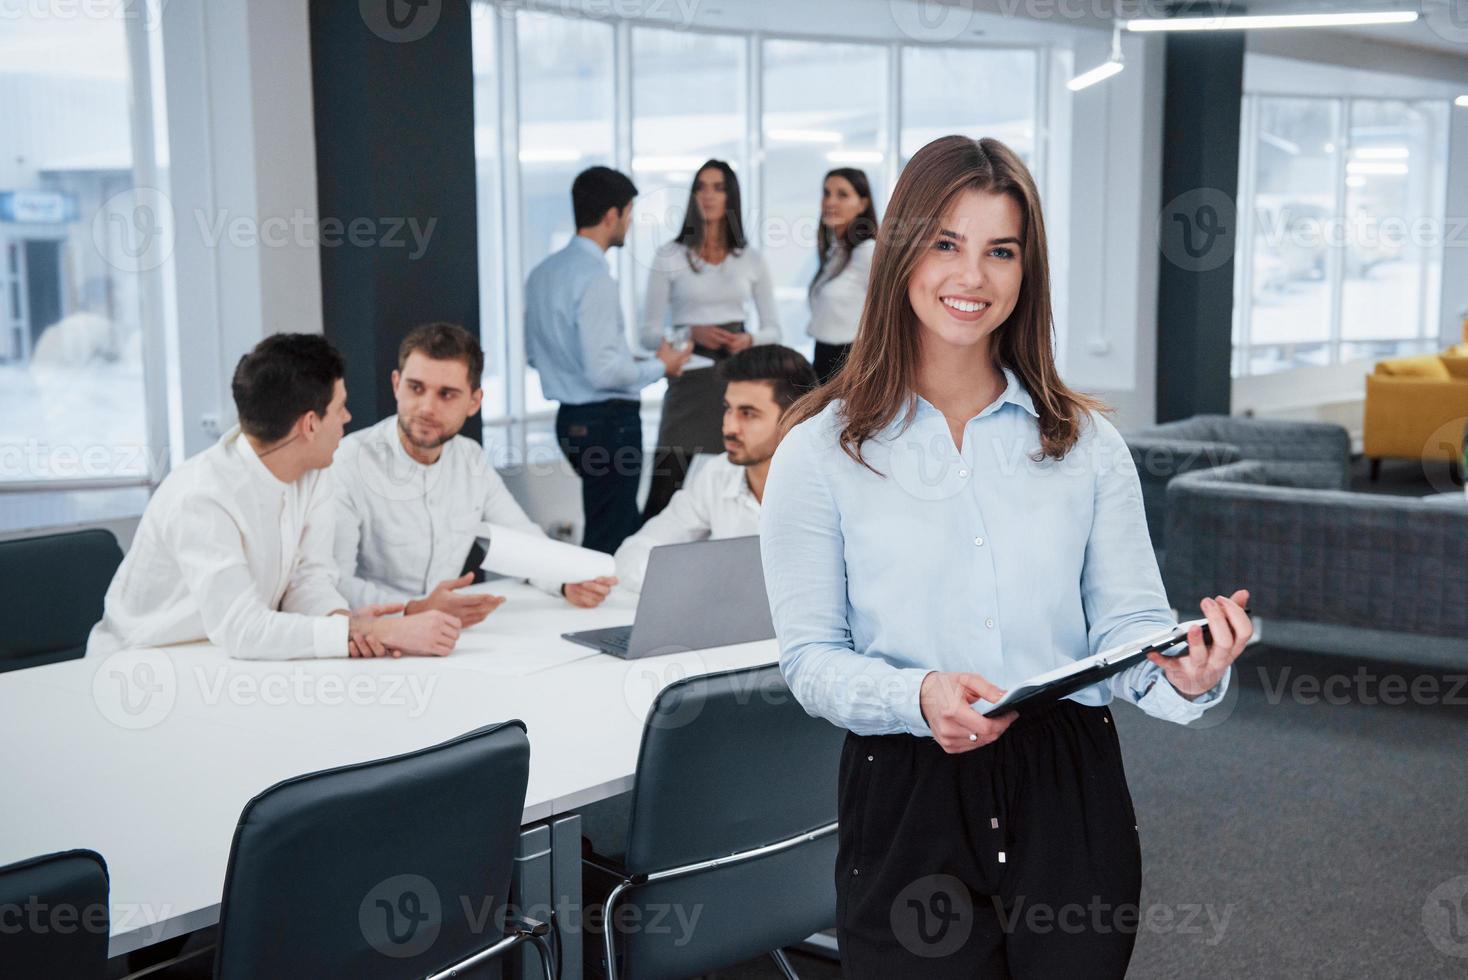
(603, 442)
(1018, 859)
(829, 358)
(669, 473)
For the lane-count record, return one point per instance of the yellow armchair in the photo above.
(1416, 407)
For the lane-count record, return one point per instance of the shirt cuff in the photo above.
(331, 633)
(544, 585)
(907, 707)
(1163, 701)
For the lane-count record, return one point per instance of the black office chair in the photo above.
(394, 868)
(58, 922)
(53, 585)
(733, 813)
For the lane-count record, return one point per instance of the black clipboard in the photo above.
(1045, 689)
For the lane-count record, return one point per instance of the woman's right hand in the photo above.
(947, 702)
(713, 338)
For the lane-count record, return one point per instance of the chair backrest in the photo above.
(56, 583)
(730, 762)
(391, 868)
(60, 906)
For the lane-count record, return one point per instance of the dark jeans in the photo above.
(603, 442)
(829, 358)
(1018, 859)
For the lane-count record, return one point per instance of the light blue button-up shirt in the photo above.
(573, 329)
(978, 560)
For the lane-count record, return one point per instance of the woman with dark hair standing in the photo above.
(944, 520)
(704, 280)
(845, 245)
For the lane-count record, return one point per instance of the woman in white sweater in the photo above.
(704, 280)
(848, 239)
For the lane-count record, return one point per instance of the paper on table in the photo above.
(523, 554)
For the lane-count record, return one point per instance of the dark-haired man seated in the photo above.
(722, 498)
(236, 545)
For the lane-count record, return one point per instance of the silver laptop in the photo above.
(694, 596)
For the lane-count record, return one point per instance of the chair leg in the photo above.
(783, 962)
(547, 956)
(1375, 469)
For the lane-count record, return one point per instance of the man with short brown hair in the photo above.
(412, 492)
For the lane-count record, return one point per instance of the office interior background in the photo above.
(1242, 223)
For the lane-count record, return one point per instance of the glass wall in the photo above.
(1342, 256)
(825, 106)
(76, 241)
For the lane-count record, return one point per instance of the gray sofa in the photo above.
(1309, 551)
(1165, 451)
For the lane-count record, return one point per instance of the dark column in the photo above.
(1200, 164)
(393, 87)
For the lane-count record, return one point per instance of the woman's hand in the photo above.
(712, 338)
(947, 701)
(740, 341)
(1202, 667)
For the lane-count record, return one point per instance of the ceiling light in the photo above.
(1244, 22)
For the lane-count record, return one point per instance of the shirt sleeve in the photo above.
(347, 542)
(764, 303)
(655, 302)
(209, 549)
(803, 553)
(312, 589)
(606, 358)
(686, 518)
(1121, 588)
(501, 507)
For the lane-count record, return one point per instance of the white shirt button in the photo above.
(989, 623)
(963, 472)
(979, 542)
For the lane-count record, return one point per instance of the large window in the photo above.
(688, 105)
(1340, 255)
(825, 106)
(975, 92)
(76, 244)
(557, 92)
(567, 115)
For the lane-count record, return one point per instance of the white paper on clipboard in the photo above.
(514, 553)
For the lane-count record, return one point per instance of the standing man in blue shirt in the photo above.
(575, 338)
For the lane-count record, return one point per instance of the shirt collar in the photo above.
(736, 484)
(254, 465)
(588, 246)
(1014, 394)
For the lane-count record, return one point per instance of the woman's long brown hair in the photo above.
(879, 377)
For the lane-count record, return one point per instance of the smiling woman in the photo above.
(925, 550)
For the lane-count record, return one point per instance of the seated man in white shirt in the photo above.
(235, 546)
(722, 498)
(412, 492)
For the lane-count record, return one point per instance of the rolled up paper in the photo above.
(524, 554)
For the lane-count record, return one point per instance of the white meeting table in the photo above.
(148, 756)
